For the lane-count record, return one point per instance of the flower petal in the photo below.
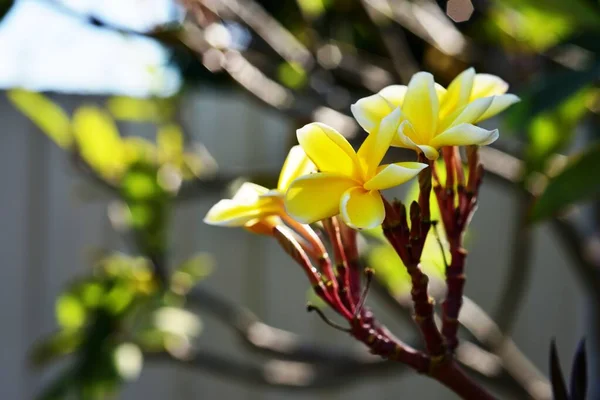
(421, 106)
(232, 213)
(314, 197)
(467, 114)
(394, 94)
(464, 135)
(485, 85)
(369, 111)
(440, 91)
(499, 104)
(296, 165)
(404, 136)
(458, 93)
(328, 149)
(375, 146)
(249, 193)
(362, 209)
(391, 175)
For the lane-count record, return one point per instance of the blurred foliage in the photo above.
(110, 318)
(540, 25)
(577, 182)
(47, 115)
(93, 134)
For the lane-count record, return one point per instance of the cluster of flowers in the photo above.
(324, 179)
(422, 116)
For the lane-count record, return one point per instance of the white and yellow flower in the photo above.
(257, 208)
(434, 117)
(348, 182)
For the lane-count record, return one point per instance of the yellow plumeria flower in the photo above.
(255, 207)
(434, 117)
(348, 182)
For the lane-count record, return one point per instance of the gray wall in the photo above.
(48, 226)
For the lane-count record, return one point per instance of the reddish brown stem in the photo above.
(350, 249)
(333, 230)
(317, 251)
(291, 246)
(409, 247)
(367, 330)
(457, 206)
(455, 280)
(453, 377)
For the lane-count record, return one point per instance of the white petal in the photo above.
(486, 85)
(369, 111)
(499, 104)
(249, 193)
(394, 94)
(464, 135)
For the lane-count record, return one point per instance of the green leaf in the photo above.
(99, 141)
(551, 131)
(47, 115)
(58, 344)
(70, 312)
(192, 271)
(292, 75)
(576, 182)
(139, 109)
(549, 91)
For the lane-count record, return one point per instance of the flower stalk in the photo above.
(409, 243)
(457, 203)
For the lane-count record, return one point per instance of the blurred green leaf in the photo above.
(56, 345)
(99, 141)
(139, 109)
(70, 312)
(139, 185)
(551, 131)
(550, 91)
(312, 8)
(43, 112)
(169, 141)
(139, 150)
(576, 182)
(119, 297)
(192, 271)
(542, 24)
(291, 75)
